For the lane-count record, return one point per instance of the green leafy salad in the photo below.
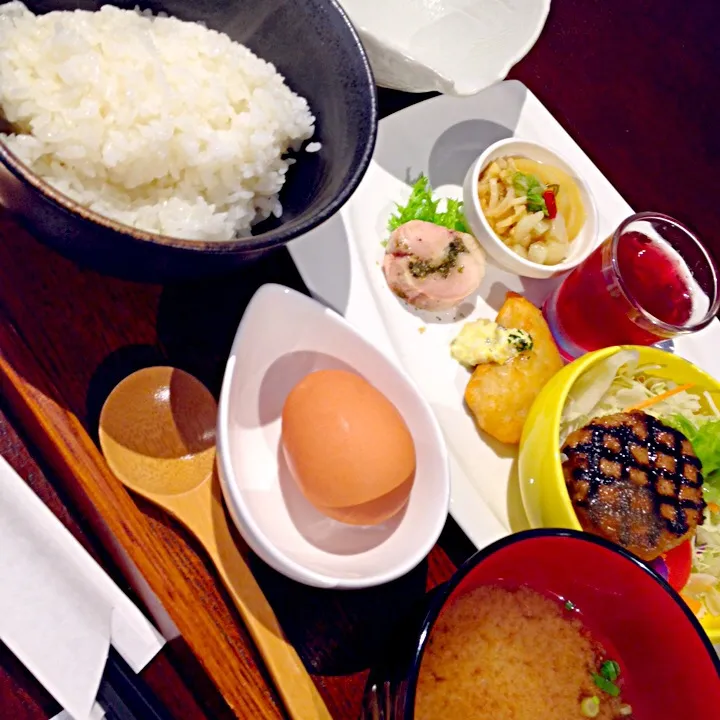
(620, 382)
(422, 206)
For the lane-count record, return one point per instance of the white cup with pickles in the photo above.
(530, 209)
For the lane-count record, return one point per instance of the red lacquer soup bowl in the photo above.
(670, 668)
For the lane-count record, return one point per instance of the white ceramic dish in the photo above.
(458, 47)
(283, 336)
(500, 253)
(340, 265)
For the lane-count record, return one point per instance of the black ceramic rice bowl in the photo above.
(314, 46)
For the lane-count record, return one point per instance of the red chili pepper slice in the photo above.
(549, 198)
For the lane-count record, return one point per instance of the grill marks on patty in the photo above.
(635, 481)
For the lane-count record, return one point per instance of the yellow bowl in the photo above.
(542, 484)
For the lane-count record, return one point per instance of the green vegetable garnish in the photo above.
(590, 706)
(705, 439)
(605, 685)
(529, 186)
(605, 680)
(569, 605)
(423, 268)
(422, 206)
(520, 340)
(610, 670)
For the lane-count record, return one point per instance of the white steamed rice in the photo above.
(160, 124)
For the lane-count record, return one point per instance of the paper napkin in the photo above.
(59, 611)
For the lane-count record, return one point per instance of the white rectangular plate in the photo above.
(340, 263)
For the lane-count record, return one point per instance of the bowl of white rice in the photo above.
(180, 138)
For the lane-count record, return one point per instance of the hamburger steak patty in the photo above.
(635, 481)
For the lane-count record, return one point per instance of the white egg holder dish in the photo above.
(283, 337)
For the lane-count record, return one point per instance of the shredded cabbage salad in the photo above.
(621, 382)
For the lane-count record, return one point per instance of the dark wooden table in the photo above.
(633, 82)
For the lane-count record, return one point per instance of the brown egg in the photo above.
(347, 447)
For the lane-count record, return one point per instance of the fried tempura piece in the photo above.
(500, 396)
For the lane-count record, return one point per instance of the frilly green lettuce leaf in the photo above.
(422, 206)
(705, 439)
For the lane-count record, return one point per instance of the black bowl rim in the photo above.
(474, 560)
(250, 243)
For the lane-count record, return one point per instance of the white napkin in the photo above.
(59, 611)
(97, 714)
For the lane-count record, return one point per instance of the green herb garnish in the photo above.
(605, 685)
(705, 439)
(590, 706)
(529, 186)
(610, 670)
(422, 206)
(605, 680)
(423, 268)
(520, 340)
(569, 605)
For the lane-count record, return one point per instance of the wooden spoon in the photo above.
(157, 432)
